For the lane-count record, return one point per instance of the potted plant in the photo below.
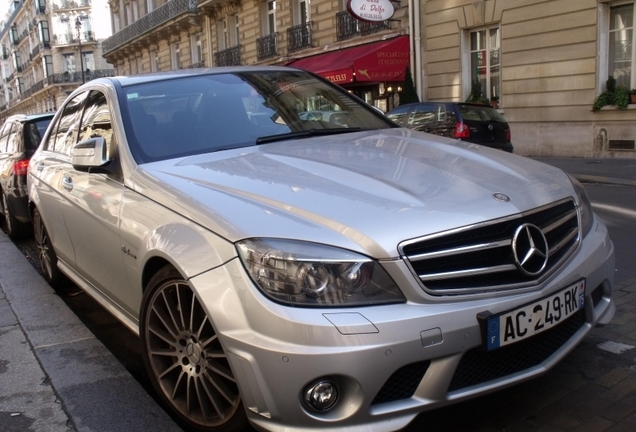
(494, 102)
(476, 95)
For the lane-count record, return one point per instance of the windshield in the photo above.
(205, 113)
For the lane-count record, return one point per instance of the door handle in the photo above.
(67, 183)
(39, 167)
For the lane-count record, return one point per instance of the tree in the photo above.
(409, 94)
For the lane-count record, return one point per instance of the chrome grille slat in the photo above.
(479, 257)
(563, 242)
(471, 272)
(466, 249)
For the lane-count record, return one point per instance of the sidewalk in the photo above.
(55, 376)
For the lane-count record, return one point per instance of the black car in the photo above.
(475, 123)
(19, 138)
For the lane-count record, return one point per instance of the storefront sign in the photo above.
(371, 10)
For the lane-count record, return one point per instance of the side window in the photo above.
(398, 115)
(422, 115)
(96, 119)
(3, 137)
(13, 143)
(66, 134)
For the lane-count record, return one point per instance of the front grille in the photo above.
(479, 258)
(403, 383)
(478, 365)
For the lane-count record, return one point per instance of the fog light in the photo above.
(322, 395)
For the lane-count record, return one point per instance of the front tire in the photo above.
(46, 254)
(184, 357)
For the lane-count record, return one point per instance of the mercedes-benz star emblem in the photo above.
(490, 128)
(530, 249)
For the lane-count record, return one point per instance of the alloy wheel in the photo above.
(189, 366)
(46, 255)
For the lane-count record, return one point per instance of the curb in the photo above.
(586, 178)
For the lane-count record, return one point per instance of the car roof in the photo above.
(124, 80)
(23, 118)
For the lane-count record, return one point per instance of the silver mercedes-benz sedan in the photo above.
(294, 273)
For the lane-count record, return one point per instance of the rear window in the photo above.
(33, 133)
(480, 113)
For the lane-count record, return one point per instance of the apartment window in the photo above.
(304, 12)
(135, 6)
(43, 32)
(150, 5)
(197, 51)
(69, 63)
(271, 17)
(176, 56)
(483, 62)
(47, 65)
(620, 53)
(224, 36)
(89, 60)
(154, 61)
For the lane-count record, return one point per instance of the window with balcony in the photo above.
(68, 61)
(299, 35)
(89, 60)
(47, 65)
(266, 45)
(482, 60)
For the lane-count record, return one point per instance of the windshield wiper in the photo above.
(304, 134)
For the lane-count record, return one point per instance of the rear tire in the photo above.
(184, 358)
(15, 229)
(46, 254)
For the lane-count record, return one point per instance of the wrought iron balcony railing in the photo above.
(154, 19)
(347, 26)
(228, 57)
(68, 77)
(70, 4)
(299, 37)
(266, 46)
(197, 65)
(65, 39)
(35, 51)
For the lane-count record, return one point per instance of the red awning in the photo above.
(379, 61)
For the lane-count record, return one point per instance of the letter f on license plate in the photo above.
(534, 318)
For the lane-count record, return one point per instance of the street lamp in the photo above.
(78, 26)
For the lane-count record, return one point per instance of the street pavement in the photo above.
(56, 376)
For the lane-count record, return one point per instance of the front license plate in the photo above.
(534, 318)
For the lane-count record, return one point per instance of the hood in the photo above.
(363, 191)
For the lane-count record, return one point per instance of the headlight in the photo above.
(308, 274)
(585, 205)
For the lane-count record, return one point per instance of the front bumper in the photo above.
(414, 348)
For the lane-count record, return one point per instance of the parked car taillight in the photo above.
(461, 130)
(508, 134)
(20, 167)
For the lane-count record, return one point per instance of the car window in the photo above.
(423, 114)
(13, 142)
(33, 132)
(200, 114)
(4, 135)
(66, 133)
(96, 118)
(398, 115)
(480, 113)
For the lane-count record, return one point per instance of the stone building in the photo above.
(40, 43)
(154, 35)
(546, 60)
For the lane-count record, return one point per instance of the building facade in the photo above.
(154, 35)
(41, 42)
(546, 60)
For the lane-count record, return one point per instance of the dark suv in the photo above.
(475, 123)
(19, 138)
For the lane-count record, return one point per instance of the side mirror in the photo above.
(90, 153)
